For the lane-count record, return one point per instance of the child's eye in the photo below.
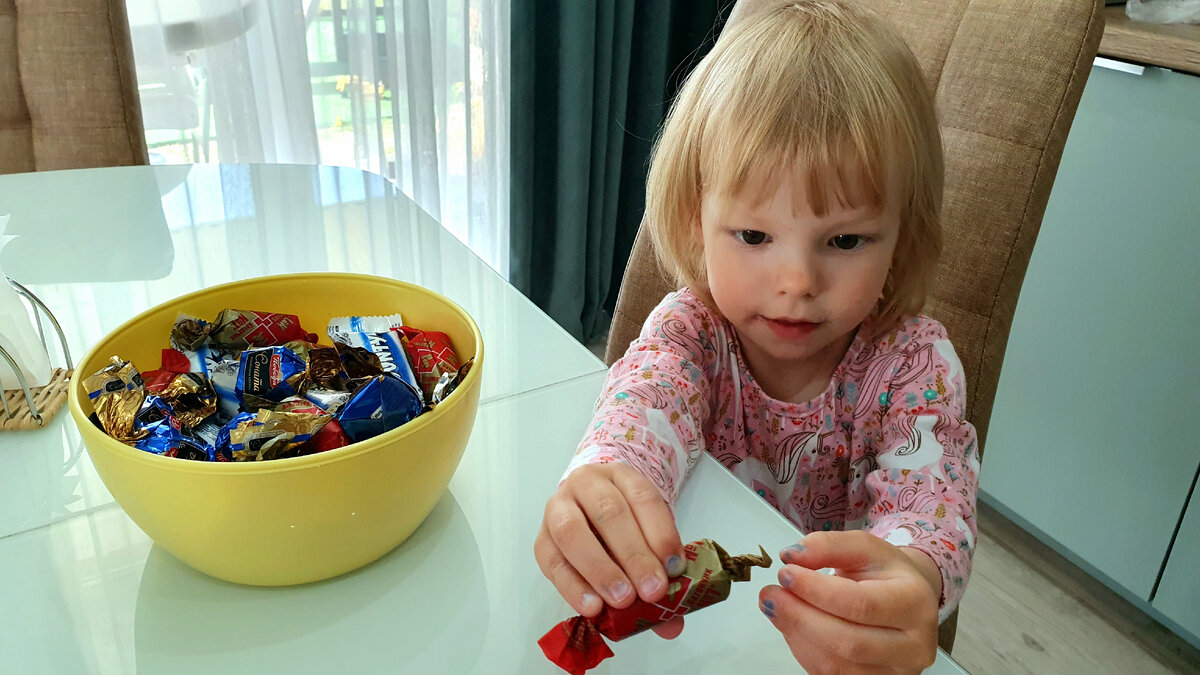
(848, 242)
(750, 237)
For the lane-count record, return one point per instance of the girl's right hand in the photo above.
(608, 537)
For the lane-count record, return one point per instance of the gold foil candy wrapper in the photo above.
(191, 397)
(242, 329)
(303, 348)
(325, 370)
(189, 333)
(737, 567)
(359, 363)
(117, 393)
(274, 435)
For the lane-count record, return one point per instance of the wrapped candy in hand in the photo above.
(577, 644)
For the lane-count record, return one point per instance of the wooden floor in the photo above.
(1028, 610)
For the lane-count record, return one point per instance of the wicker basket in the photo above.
(29, 408)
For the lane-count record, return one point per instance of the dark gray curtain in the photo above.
(591, 83)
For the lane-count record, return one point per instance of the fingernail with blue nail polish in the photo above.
(768, 608)
(793, 550)
(675, 566)
(785, 577)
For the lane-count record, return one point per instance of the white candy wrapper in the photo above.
(380, 335)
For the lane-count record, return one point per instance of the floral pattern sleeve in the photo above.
(655, 403)
(923, 491)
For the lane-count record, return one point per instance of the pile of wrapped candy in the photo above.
(256, 386)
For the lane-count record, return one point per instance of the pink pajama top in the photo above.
(885, 448)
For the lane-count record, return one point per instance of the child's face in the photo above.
(794, 284)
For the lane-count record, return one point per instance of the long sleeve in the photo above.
(923, 491)
(656, 399)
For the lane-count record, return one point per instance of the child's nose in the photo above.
(797, 276)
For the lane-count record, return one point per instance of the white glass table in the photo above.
(85, 591)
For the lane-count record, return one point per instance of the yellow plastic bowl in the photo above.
(301, 519)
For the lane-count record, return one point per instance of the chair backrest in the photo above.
(1007, 77)
(68, 92)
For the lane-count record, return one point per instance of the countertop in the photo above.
(1174, 46)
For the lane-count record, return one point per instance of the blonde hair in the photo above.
(822, 85)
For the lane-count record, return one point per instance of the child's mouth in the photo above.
(791, 330)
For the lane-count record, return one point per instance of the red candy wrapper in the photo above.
(431, 355)
(329, 437)
(241, 329)
(173, 363)
(577, 644)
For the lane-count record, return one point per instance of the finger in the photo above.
(607, 509)
(654, 518)
(812, 657)
(853, 551)
(671, 629)
(864, 602)
(577, 592)
(843, 641)
(570, 532)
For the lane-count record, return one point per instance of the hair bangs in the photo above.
(812, 123)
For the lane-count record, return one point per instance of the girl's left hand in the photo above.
(877, 614)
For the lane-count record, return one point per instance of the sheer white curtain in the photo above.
(415, 90)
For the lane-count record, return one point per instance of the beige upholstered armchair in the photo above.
(1007, 75)
(68, 93)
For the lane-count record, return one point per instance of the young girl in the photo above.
(795, 192)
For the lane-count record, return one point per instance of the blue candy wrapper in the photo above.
(268, 375)
(165, 438)
(380, 405)
(153, 410)
(222, 450)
